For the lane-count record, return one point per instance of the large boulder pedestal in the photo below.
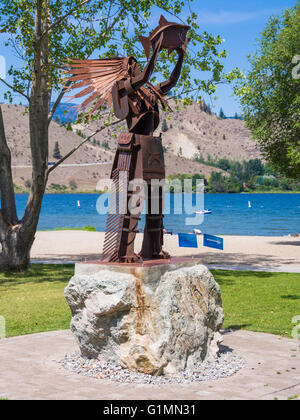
(155, 318)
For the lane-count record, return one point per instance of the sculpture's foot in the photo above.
(157, 256)
(163, 255)
(132, 259)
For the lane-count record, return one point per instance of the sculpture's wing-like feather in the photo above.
(97, 77)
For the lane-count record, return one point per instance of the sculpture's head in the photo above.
(133, 67)
(174, 36)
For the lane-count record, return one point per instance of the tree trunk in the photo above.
(15, 254)
(15, 241)
(17, 236)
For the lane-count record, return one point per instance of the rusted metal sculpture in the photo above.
(139, 154)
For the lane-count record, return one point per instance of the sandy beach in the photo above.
(240, 252)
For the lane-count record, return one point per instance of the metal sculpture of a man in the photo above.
(139, 153)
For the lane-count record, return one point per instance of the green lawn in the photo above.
(257, 301)
(34, 302)
(84, 228)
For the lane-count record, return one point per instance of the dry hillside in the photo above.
(190, 131)
(195, 131)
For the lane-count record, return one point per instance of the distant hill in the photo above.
(190, 131)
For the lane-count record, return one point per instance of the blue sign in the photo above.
(213, 242)
(187, 240)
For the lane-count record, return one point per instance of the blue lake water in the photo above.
(270, 214)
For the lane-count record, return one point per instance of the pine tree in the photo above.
(164, 126)
(222, 115)
(56, 151)
(69, 126)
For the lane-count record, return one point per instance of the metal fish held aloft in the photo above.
(174, 36)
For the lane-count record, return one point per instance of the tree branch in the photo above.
(194, 90)
(49, 29)
(173, 14)
(68, 83)
(14, 89)
(182, 93)
(81, 144)
(114, 21)
(58, 101)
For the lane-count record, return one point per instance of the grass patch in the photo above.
(256, 301)
(34, 301)
(85, 228)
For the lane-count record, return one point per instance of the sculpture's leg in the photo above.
(130, 226)
(153, 169)
(115, 218)
(154, 229)
(121, 226)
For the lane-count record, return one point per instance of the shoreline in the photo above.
(82, 229)
(207, 193)
(258, 252)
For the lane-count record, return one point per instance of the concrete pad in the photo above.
(29, 371)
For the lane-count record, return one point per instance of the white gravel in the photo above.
(226, 365)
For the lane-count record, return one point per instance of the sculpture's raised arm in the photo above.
(169, 84)
(136, 82)
(144, 77)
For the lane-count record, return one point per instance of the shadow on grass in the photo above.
(38, 273)
(291, 297)
(232, 328)
(228, 277)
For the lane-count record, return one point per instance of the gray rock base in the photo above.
(154, 320)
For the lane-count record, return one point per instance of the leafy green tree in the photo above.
(254, 167)
(182, 177)
(233, 185)
(216, 183)
(44, 33)
(224, 164)
(270, 94)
